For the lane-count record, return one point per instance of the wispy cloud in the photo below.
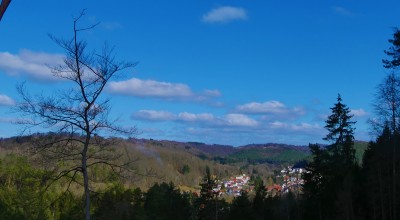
(190, 117)
(156, 89)
(6, 101)
(260, 108)
(359, 112)
(270, 109)
(342, 11)
(230, 120)
(294, 126)
(212, 93)
(110, 26)
(7, 120)
(30, 63)
(225, 14)
(150, 88)
(240, 120)
(234, 127)
(153, 115)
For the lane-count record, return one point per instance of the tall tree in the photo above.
(208, 205)
(377, 174)
(387, 109)
(341, 132)
(393, 52)
(387, 104)
(314, 184)
(241, 208)
(329, 179)
(342, 163)
(79, 114)
(164, 201)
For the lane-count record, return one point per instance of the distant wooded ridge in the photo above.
(278, 153)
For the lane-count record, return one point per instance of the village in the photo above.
(288, 180)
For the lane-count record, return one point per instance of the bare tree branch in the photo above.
(3, 7)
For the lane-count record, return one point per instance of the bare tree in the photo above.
(387, 106)
(78, 115)
(387, 103)
(3, 7)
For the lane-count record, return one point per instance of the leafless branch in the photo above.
(3, 7)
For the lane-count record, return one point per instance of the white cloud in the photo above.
(321, 117)
(5, 100)
(292, 127)
(278, 124)
(240, 120)
(6, 120)
(32, 64)
(305, 126)
(359, 112)
(274, 108)
(207, 119)
(153, 115)
(260, 108)
(156, 89)
(185, 116)
(150, 88)
(218, 128)
(342, 11)
(225, 14)
(212, 93)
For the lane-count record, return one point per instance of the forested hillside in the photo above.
(184, 163)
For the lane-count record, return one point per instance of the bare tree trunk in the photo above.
(86, 183)
(381, 195)
(394, 159)
(394, 178)
(216, 208)
(319, 210)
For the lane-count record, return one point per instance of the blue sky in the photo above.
(225, 72)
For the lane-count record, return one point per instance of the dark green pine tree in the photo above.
(393, 52)
(341, 133)
(377, 174)
(163, 202)
(241, 208)
(341, 163)
(314, 186)
(328, 188)
(208, 205)
(261, 194)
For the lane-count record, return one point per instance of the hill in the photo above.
(184, 163)
(270, 153)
